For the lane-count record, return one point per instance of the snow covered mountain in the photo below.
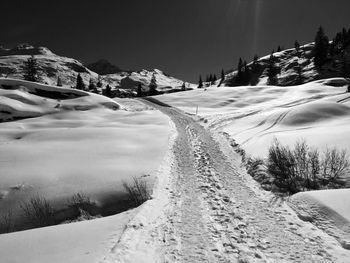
(53, 66)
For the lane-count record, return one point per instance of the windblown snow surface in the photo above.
(318, 111)
(254, 116)
(204, 207)
(78, 143)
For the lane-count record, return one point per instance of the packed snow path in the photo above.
(215, 214)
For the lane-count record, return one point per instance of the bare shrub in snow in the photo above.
(82, 202)
(281, 165)
(335, 165)
(39, 212)
(138, 191)
(303, 168)
(6, 222)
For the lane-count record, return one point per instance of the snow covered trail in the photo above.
(216, 214)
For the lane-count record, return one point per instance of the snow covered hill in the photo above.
(53, 66)
(21, 99)
(56, 142)
(294, 67)
(318, 111)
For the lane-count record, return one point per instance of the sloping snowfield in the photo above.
(254, 116)
(81, 143)
(87, 241)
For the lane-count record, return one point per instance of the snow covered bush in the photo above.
(303, 168)
(138, 191)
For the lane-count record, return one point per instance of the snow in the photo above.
(206, 210)
(89, 144)
(328, 209)
(23, 99)
(254, 115)
(87, 241)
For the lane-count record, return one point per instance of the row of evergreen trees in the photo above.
(323, 52)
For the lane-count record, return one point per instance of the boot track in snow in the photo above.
(216, 213)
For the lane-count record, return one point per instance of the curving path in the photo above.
(217, 213)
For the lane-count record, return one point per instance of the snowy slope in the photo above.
(328, 209)
(22, 99)
(82, 242)
(79, 143)
(51, 65)
(288, 62)
(254, 115)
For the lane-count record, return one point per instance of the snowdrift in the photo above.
(328, 209)
(23, 99)
(88, 241)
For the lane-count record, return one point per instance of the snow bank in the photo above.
(24, 99)
(328, 209)
(87, 241)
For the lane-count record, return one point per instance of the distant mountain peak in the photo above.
(103, 67)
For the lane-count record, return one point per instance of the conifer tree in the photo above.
(31, 70)
(153, 86)
(255, 64)
(246, 74)
(200, 82)
(80, 83)
(222, 75)
(279, 49)
(320, 50)
(272, 71)
(92, 86)
(108, 91)
(296, 45)
(99, 82)
(239, 70)
(183, 87)
(59, 82)
(139, 90)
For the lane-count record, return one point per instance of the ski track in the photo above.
(215, 215)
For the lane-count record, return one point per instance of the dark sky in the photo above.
(182, 37)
